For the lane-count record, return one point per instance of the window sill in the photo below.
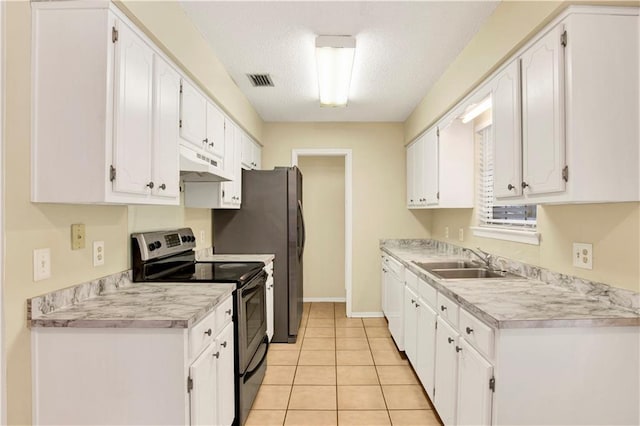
(518, 236)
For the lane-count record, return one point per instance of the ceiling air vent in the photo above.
(260, 80)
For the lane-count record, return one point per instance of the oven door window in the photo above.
(255, 315)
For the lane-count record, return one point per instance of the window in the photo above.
(508, 222)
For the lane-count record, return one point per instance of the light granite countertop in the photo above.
(513, 303)
(138, 305)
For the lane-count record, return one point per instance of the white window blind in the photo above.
(490, 214)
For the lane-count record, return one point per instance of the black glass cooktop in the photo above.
(237, 272)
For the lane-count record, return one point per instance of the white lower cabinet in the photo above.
(269, 296)
(410, 323)
(446, 372)
(475, 386)
(426, 346)
(394, 299)
(126, 376)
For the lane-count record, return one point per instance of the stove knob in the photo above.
(193, 239)
(157, 244)
(152, 246)
(184, 238)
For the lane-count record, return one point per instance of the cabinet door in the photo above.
(203, 394)
(257, 156)
(193, 116)
(430, 176)
(411, 172)
(229, 188)
(474, 394)
(247, 152)
(426, 346)
(226, 377)
(133, 112)
(215, 131)
(446, 377)
(543, 140)
(507, 140)
(384, 274)
(410, 322)
(166, 174)
(237, 159)
(269, 306)
(395, 307)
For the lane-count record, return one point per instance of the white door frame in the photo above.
(3, 367)
(348, 208)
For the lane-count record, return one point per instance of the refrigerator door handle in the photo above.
(303, 231)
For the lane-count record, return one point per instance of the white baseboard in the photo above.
(367, 314)
(324, 299)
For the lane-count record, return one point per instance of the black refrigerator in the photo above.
(270, 221)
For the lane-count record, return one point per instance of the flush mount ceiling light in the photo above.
(476, 109)
(334, 55)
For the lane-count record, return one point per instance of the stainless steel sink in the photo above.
(460, 264)
(471, 273)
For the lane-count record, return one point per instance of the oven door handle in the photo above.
(253, 285)
(254, 365)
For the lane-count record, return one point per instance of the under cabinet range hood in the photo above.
(195, 167)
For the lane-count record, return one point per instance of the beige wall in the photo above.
(29, 226)
(379, 176)
(323, 206)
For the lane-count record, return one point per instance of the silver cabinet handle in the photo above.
(205, 141)
(208, 332)
(443, 308)
(228, 311)
(413, 301)
(150, 185)
(217, 354)
(458, 349)
(223, 344)
(524, 185)
(510, 187)
(163, 187)
(450, 340)
(469, 330)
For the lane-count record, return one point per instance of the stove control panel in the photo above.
(152, 245)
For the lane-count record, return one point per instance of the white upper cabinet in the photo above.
(507, 150)
(543, 142)
(165, 167)
(193, 116)
(578, 140)
(251, 154)
(215, 140)
(440, 166)
(103, 123)
(133, 113)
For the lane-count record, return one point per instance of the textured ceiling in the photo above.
(402, 49)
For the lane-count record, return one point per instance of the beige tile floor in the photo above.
(341, 371)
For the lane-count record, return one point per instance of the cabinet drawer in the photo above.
(411, 280)
(476, 333)
(394, 266)
(427, 293)
(224, 314)
(448, 310)
(201, 335)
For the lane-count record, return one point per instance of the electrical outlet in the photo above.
(41, 264)
(98, 253)
(583, 255)
(202, 239)
(446, 232)
(77, 236)
(461, 234)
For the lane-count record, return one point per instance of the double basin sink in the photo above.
(456, 270)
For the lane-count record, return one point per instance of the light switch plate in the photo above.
(446, 232)
(77, 236)
(41, 264)
(583, 255)
(98, 253)
(461, 234)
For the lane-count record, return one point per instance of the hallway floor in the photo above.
(342, 371)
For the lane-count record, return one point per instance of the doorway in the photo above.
(332, 157)
(323, 204)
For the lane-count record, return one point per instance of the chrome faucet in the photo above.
(485, 257)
